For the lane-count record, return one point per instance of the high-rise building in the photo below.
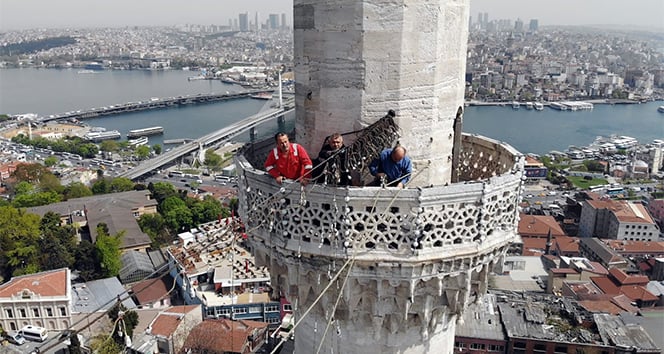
(518, 25)
(256, 23)
(244, 22)
(534, 25)
(283, 21)
(273, 20)
(373, 269)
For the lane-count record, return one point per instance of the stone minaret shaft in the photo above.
(356, 59)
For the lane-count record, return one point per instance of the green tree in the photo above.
(50, 161)
(87, 262)
(109, 146)
(129, 319)
(100, 186)
(76, 190)
(142, 152)
(28, 200)
(30, 172)
(176, 214)
(212, 160)
(108, 251)
(155, 226)
(593, 165)
(50, 183)
(19, 236)
(206, 210)
(157, 149)
(102, 345)
(120, 184)
(161, 190)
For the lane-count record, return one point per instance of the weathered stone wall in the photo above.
(354, 60)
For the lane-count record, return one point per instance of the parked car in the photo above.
(15, 338)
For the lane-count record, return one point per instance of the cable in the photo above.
(56, 341)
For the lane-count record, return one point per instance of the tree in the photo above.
(76, 190)
(34, 199)
(109, 145)
(155, 226)
(101, 186)
(176, 213)
(212, 160)
(87, 261)
(50, 161)
(142, 152)
(129, 319)
(108, 251)
(161, 191)
(19, 236)
(120, 184)
(206, 210)
(157, 149)
(102, 345)
(30, 172)
(50, 183)
(74, 344)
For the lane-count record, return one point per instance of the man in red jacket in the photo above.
(288, 160)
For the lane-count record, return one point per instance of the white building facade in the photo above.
(41, 299)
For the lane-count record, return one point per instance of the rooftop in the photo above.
(481, 320)
(53, 283)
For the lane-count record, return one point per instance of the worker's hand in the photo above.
(400, 185)
(380, 175)
(304, 181)
(279, 179)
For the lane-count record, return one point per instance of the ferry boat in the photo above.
(99, 136)
(145, 132)
(539, 106)
(660, 109)
(262, 96)
(138, 142)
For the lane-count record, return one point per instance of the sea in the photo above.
(52, 91)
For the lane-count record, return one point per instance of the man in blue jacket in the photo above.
(391, 168)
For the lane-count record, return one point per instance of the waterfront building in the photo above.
(384, 269)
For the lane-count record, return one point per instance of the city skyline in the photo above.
(27, 14)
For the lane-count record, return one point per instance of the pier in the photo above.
(153, 103)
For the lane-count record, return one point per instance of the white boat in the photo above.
(145, 132)
(529, 105)
(138, 142)
(660, 109)
(515, 105)
(99, 136)
(539, 106)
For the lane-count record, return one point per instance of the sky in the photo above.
(25, 14)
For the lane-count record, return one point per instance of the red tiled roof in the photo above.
(567, 244)
(635, 293)
(221, 335)
(49, 283)
(152, 290)
(539, 225)
(167, 321)
(606, 285)
(623, 279)
(605, 306)
(624, 303)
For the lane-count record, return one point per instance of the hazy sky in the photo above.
(22, 14)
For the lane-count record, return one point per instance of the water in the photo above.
(543, 131)
(49, 91)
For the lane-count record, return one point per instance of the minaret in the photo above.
(371, 269)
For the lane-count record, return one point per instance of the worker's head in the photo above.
(282, 142)
(336, 141)
(398, 153)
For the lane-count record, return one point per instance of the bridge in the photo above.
(153, 103)
(215, 138)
